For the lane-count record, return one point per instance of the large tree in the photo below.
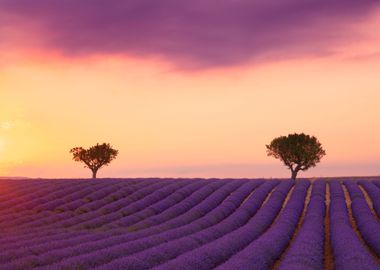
(298, 152)
(95, 157)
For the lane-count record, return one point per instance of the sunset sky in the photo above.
(188, 88)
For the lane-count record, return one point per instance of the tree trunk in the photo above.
(294, 174)
(94, 173)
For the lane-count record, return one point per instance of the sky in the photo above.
(188, 88)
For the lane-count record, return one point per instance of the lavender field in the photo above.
(189, 224)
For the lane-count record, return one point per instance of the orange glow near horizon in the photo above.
(170, 122)
(160, 120)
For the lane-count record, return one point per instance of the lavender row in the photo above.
(139, 194)
(377, 183)
(33, 205)
(116, 239)
(195, 198)
(30, 203)
(264, 251)
(177, 202)
(28, 190)
(152, 204)
(137, 213)
(306, 252)
(74, 204)
(118, 246)
(44, 188)
(77, 200)
(55, 199)
(349, 251)
(231, 246)
(189, 204)
(27, 195)
(374, 193)
(69, 220)
(63, 235)
(238, 229)
(121, 191)
(19, 189)
(368, 226)
(70, 216)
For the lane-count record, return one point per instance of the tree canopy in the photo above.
(95, 157)
(298, 152)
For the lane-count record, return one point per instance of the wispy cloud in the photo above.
(6, 125)
(190, 34)
(16, 123)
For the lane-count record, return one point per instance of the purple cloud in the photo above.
(191, 34)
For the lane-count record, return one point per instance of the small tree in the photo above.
(95, 157)
(298, 152)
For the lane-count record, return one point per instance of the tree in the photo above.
(298, 152)
(95, 157)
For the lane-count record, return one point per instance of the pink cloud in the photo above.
(190, 34)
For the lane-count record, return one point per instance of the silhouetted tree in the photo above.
(297, 151)
(95, 157)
